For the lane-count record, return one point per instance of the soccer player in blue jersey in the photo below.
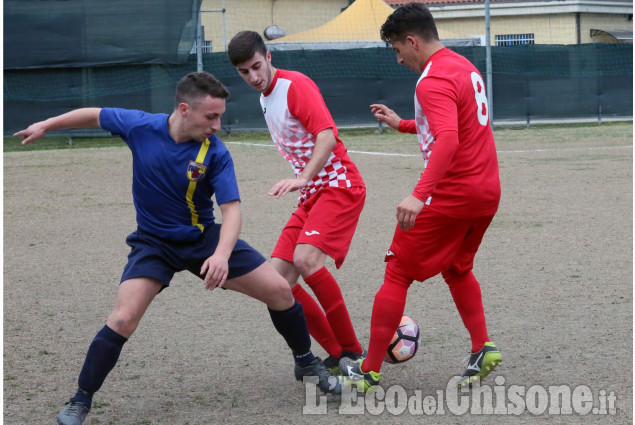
(178, 164)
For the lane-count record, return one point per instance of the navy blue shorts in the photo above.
(160, 259)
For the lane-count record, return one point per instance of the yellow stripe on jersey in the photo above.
(200, 158)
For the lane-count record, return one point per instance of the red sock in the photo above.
(388, 308)
(319, 327)
(329, 295)
(466, 293)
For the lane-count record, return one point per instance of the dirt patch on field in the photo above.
(555, 270)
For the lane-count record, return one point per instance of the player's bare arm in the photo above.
(324, 144)
(216, 267)
(78, 118)
(385, 114)
(407, 212)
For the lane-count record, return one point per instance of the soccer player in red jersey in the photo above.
(332, 192)
(441, 224)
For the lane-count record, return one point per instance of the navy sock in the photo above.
(291, 324)
(304, 360)
(83, 397)
(101, 358)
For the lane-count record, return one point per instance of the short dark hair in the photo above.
(244, 45)
(197, 85)
(409, 19)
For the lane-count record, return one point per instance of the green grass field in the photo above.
(368, 138)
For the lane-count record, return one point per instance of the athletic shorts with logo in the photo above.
(161, 259)
(327, 220)
(436, 243)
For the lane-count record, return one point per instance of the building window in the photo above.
(206, 47)
(514, 39)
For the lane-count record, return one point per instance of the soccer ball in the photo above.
(405, 342)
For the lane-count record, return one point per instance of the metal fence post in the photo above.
(488, 65)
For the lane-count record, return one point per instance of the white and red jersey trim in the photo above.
(426, 139)
(295, 112)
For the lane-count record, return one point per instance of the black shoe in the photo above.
(332, 364)
(353, 356)
(353, 375)
(481, 364)
(73, 414)
(324, 379)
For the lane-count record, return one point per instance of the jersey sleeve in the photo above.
(307, 105)
(438, 100)
(223, 177)
(119, 121)
(445, 146)
(408, 126)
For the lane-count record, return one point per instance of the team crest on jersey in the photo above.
(196, 171)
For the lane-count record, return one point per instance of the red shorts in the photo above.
(327, 221)
(436, 243)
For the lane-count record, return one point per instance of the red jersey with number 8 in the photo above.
(450, 96)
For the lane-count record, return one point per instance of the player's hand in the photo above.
(407, 212)
(287, 185)
(215, 270)
(31, 133)
(385, 114)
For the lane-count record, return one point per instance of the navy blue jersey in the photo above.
(172, 183)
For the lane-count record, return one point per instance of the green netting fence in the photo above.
(529, 83)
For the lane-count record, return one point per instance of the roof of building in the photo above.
(396, 3)
(359, 22)
(616, 34)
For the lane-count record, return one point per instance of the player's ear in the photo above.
(268, 57)
(413, 42)
(183, 109)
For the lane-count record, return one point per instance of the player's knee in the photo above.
(307, 263)
(396, 276)
(453, 276)
(287, 270)
(123, 322)
(448, 274)
(280, 296)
